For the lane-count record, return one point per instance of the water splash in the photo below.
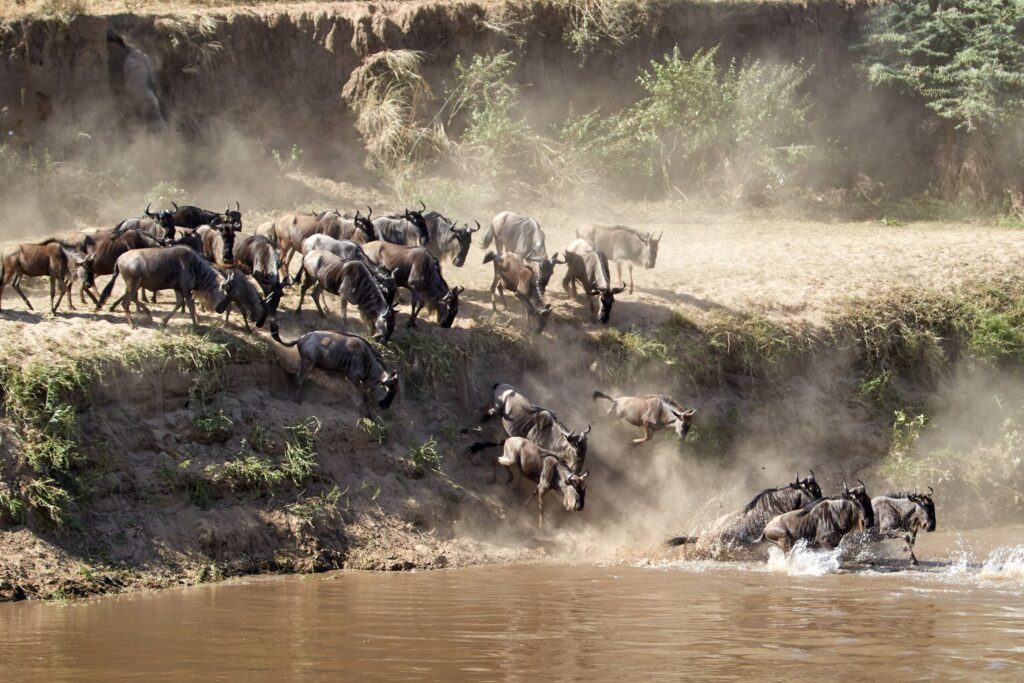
(803, 561)
(1006, 563)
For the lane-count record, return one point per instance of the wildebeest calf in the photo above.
(589, 267)
(650, 413)
(511, 273)
(540, 466)
(348, 354)
(48, 258)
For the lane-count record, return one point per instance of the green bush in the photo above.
(300, 450)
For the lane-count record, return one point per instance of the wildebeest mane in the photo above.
(757, 499)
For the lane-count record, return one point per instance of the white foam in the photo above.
(803, 561)
(1006, 563)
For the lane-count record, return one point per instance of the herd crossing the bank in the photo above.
(204, 255)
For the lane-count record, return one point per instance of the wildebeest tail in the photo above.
(275, 333)
(489, 256)
(488, 237)
(677, 541)
(483, 445)
(598, 394)
(115, 38)
(105, 294)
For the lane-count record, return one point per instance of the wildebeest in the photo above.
(215, 243)
(650, 413)
(416, 270)
(409, 229)
(293, 229)
(621, 244)
(193, 216)
(135, 81)
(178, 268)
(344, 353)
(353, 282)
(540, 466)
(103, 253)
(349, 250)
(742, 528)
(235, 287)
(522, 235)
(510, 272)
(902, 515)
(258, 256)
(520, 417)
(824, 522)
(49, 258)
(447, 240)
(589, 267)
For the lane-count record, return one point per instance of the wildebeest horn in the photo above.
(477, 226)
(846, 489)
(585, 431)
(797, 480)
(424, 206)
(369, 212)
(930, 490)
(862, 484)
(812, 474)
(147, 209)
(238, 207)
(174, 205)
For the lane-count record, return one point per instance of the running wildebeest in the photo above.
(742, 528)
(447, 240)
(49, 258)
(824, 522)
(902, 515)
(133, 78)
(650, 413)
(103, 253)
(540, 466)
(520, 417)
(510, 272)
(178, 268)
(353, 282)
(620, 243)
(343, 353)
(522, 235)
(257, 255)
(589, 267)
(416, 270)
(408, 229)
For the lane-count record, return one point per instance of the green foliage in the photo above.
(998, 336)
(964, 57)
(213, 427)
(319, 509)
(12, 508)
(251, 472)
(375, 428)
(48, 498)
(621, 354)
(596, 22)
(740, 129)
(300, 450)
(423, 357)
(878, 389)
(426, 456)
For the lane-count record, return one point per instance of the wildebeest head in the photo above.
(165, 218)
(417, 219)
(808, 485)
(224, 289)
(649, 249)
(227, 233)
(542, 318)
(384, 325)
(82, 265)
(545, 269)
(464, 236)
(365, 223)
(390, 384)
(574, 493)
(579, 445)
(928, 506)
(859, 495)
(607, 299)
(684, 421)
(234, 216)
(448, 306)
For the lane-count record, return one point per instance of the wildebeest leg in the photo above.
(317, 291)
(911, 538)
(91, 295)
(540, 506)
(494, 286)
(414, 309)
(647, 434)
(191, 309)
(362, 394)
(126, 300)
(302, 293)
(178, 303)
(344, 312)
(593, 308)
(305, 366)
(16, 284)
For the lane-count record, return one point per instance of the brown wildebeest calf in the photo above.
(542, 467)
(650, 413)
(512, 273)
(48, 258)
(348, 354)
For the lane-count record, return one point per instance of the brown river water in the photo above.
(959, 615)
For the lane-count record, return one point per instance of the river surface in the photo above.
(959, 615)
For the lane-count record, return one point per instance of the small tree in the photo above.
(966, 59)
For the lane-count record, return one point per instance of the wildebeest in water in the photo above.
(824, 522)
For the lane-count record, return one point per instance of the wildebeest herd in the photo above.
(204, 255)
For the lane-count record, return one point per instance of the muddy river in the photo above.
(960, 614)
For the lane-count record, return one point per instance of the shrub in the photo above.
(426, 456)
(300, 450)
(375, 428)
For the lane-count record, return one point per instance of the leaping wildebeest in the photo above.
(824, 522)
(353, 282)
(178, 268)
(650, 413)
(742, 528)
(511, 273)
(902, 515)
(49, 258)
(589, 267)
(520, 417)
(447, 240)
(348, 354)
(136, 82)
(540, 466)
(416, 270)
(621, 244)
(522, 235)
(408, 229)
